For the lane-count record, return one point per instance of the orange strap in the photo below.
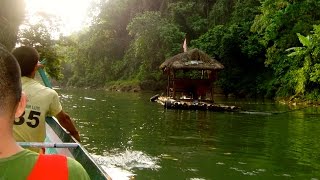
(50, 167)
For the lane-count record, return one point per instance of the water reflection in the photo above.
(132, 135)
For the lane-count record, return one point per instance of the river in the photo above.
(128, 134)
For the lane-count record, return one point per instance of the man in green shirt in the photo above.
(15, 162)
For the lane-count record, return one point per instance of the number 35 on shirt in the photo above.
(32, 120)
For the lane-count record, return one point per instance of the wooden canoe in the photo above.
(57, 134)
(58, 141)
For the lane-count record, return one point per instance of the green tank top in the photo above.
(19, 166)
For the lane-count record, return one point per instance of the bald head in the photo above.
(10, 83)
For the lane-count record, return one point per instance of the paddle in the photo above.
(43, 75)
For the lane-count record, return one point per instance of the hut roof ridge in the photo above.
(192, 59)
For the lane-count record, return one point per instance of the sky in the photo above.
(72, 12)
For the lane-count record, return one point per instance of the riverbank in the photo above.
(124, 88)
(296, 101)
(136, 87)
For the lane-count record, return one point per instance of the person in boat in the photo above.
(42, 101)
(15, 162)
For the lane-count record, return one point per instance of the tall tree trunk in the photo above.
(11, 16)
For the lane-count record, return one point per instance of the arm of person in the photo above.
(66, 122)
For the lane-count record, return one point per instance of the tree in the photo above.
(277, 26)
(11, 16)
(306, 72)
(106, 51)
(221, 12)
(190, 16)
(41, 36)
(155, 39)
(237, 48)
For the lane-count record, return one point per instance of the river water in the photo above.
(129, 135)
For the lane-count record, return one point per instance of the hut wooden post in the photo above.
(173, 86)
(168, 86)
(212, 92)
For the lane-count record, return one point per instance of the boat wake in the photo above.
(121, 164)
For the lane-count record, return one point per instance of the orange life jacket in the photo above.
(50, 167)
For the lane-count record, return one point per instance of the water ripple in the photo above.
(120, 164)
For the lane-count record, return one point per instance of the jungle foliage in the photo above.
(40, 35)
(270, 48)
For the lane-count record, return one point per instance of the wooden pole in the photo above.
(48, 145)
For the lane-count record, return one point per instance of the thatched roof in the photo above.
(192, 59)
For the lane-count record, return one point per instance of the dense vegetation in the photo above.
(270, 48)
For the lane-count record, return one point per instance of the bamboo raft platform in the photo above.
(190, 104)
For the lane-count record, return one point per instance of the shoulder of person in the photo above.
(28, 155)
(38, 85)
(76, 170)
(50, 91)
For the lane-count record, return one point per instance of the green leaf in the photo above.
(305, 40)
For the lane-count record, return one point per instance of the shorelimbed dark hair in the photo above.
(10, 82)
(27, 57)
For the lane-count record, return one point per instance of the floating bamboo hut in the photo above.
(191, 73)
(191, 76)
